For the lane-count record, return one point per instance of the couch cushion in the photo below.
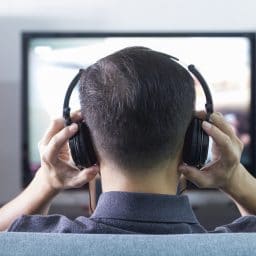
(94, 244)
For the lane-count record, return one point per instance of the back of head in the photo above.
(138, 104)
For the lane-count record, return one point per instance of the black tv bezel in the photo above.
(27, 36)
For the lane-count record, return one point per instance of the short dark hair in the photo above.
(138, 104)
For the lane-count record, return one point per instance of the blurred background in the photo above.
(17, 16)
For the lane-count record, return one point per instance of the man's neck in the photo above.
(162, 181)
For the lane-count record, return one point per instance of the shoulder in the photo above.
(50, 224)
(242, 224)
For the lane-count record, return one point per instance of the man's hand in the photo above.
(225, 171)
(57, 172)
(226, 154)
(57, 168)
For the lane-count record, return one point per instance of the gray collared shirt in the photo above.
(131, 213)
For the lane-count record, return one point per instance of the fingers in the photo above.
(58, 141)
(220, 138)
(194, 175)
(55, 126)
(58, 124)
(85, 176)
(219, 121)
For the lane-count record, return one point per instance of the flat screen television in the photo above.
(50, 61)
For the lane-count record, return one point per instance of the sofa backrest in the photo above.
(38, 244)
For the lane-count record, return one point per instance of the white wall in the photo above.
(111, 15)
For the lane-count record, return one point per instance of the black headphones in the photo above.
(196, 140)
(81, 146)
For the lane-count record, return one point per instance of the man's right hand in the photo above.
(225, 171)
(226, 154)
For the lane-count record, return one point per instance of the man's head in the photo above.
(138, 104)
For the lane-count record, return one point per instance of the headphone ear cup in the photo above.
(81, 147)
(204, 147)
(73, 145)
(196, 144)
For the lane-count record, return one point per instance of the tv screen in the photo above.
(51, 60)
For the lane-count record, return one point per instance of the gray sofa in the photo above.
(38, 244)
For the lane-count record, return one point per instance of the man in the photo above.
(138, 104)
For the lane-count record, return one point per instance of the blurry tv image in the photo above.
(51, 62)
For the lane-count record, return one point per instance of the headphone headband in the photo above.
(209, 103)
(66, 108)
(191, 68)
(207, 92)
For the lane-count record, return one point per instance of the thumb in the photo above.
(85, 176)
(194, 175)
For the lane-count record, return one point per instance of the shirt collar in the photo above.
(144, 207)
